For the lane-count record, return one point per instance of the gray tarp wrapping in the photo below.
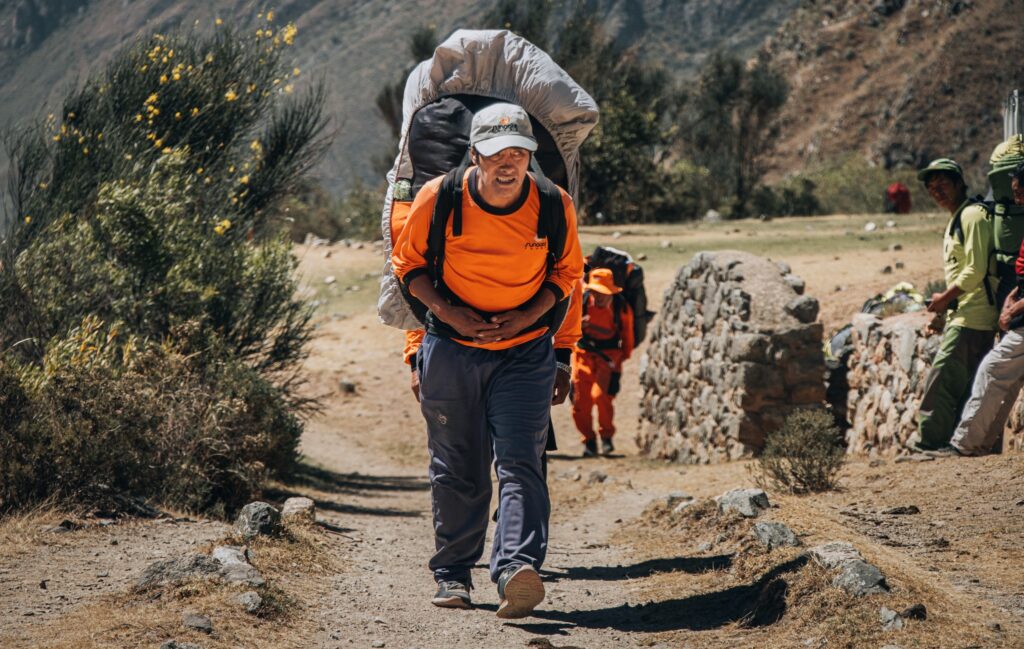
(497, 64)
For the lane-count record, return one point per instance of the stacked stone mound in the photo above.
(887, 372)
(734, 350)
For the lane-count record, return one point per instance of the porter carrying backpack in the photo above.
(629, 276)
(468, 71)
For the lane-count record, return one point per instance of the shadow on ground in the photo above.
(691, 565)
(760, 603)
(308, 477)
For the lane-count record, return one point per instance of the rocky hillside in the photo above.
(895, 81)
(46, 45)
(898, 81)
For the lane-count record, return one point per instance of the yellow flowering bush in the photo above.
(129, 212)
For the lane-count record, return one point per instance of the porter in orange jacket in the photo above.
(597, 361)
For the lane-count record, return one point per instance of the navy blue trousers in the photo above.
(484, 406)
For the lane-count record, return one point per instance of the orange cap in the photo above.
(603, 281)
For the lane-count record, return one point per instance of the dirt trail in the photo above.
(614, 577)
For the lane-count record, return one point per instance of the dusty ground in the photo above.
(616, 576)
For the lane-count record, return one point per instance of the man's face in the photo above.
(1018, 190)
(601, 300)
(501, 175)
(946, 191)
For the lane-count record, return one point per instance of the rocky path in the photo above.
(614, 577)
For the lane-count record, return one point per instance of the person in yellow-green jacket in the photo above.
(969, 299)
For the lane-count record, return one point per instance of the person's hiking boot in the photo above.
(520, 590)
(606, 446)
(452, 594)
(590, 448)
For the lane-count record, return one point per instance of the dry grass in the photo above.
(296, 566)
(21, 532)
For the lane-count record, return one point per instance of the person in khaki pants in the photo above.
(1001, 373)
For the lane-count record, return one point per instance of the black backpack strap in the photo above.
(551, 219)
(448, 203)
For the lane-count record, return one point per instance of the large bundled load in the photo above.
(469, 71)
(735, 349)
(887, 371)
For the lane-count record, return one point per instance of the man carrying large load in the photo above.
(969, 296)
(485, 259)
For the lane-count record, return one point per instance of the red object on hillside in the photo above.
(897, 199)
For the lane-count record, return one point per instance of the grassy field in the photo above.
(839, 260)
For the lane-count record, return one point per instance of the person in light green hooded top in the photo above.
(969, 299)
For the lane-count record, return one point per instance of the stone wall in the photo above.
(887, 371)
(734, 350)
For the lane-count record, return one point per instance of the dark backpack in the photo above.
(629, 276)
(615, 342)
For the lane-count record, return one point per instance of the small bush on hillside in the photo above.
(805, 454)
(150, 209)
(851, 185)
(794, 198)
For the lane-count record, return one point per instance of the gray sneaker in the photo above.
(520, 590)
(452, 594)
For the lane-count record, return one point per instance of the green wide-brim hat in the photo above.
(947, 165)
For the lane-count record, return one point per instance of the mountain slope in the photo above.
(356, 46)
(897, 82)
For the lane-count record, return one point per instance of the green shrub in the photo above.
(138, 418)
(851, 185)
(357, 216)
(805, 454)
(153, 204)
(796, 197)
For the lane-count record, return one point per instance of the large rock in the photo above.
(197, 622)
(774, 535)
(170, 572)
(258, 519)
(745, 502)
(251, 602)
(834, 554)
(860, 578)
(299, 510)
(235, 566)
(856, 576)
(734, 350)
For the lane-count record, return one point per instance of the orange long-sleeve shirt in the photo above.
(497, 264)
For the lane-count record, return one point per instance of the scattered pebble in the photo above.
(891, 620)
(199, 623)
(330, 279)
(597, 477)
